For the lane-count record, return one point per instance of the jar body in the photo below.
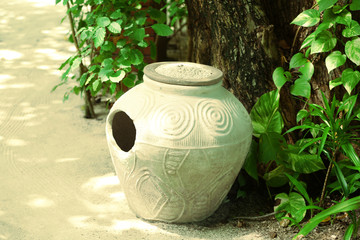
(190, 143)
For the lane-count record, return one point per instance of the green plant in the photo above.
(327, 133)
(110, 37)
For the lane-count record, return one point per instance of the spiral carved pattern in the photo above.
(174, 120)
(215, 116)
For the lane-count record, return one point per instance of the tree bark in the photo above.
(247, 40)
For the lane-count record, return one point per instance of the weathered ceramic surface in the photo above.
(191, 142)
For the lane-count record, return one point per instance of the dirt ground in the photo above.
(57, 181)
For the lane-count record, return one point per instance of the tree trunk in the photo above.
(247, 40)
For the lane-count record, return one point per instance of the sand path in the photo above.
(56, 176)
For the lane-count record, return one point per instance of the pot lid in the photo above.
(183, 73)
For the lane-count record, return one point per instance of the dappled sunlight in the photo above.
(16, 86)
(52, 54)
(118, 226)
(37, 201)
(5, 77)
(106, 190)
(6, 54)
(42, 3)
(14, 142)
(121, 225)
(99, 183)
(2, 236)
(70, 159)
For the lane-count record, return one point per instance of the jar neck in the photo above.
(182, 89)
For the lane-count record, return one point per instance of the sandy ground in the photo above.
(56, 176)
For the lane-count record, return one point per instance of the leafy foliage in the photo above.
(326, 131)
(110, 37)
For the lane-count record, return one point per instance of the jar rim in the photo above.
(183, 73)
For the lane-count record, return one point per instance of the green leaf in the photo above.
(162, 29)
(105, 73)
(75, 63)
(117, 14)
(293, 203)
(301, 114)
(301, 87)
(265, 114)
(96, 85)
(83, 79)
(157, 15)
(121, 43)
(344, 18)
(329, 16)
(350, 79)
(349, 151)
(276, 177)
(308, 41)
(299, 187)
(117, 76)
(140, 18)
(325, 4)
(324, 42)
(99, 37)
(103, 21)
(279, 77)
(349, 232)
(269, 146)
(250, 165)
(138, 34)
(345, 206)
(352, 50)
(297, 60)
(114, 27)
(334, 60)
(136, 57)
(108, 46)
(300, 162)
(129, 81)
(307, 18)
(307, 71)
(353, 30)
(334, 83)
(112, 87)
(355, 5)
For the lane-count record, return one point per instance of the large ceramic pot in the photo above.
(178, 142)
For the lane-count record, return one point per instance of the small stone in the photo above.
(240, 224)
(333, 237)
(273, 234)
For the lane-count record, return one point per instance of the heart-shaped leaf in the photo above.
(265, 114)
(279, 77)
(353, 30)
(325, 4)
(324, 42)
(307, 71)
(334, 60)
(301, 88)
(297, 60)
(307, 18)
(352, 50)
(350, 79)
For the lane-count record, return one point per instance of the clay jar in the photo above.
(178, 142)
